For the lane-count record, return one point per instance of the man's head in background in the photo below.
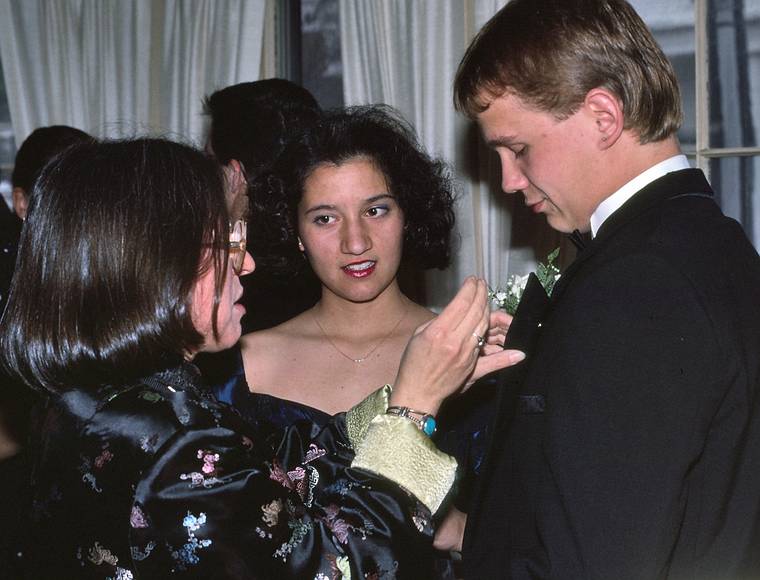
(250, 125)
(37, 149)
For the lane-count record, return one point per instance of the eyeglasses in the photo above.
(237, 245)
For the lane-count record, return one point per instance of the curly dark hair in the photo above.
(421, 185)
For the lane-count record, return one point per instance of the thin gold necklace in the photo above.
(373, 349)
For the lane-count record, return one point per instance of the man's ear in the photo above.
(234, 174)
(236, 189)
(606, 110)
(20, 202)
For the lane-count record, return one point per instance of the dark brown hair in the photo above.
(550, 53)
(116, 237)
(38, 148)
(252, 122)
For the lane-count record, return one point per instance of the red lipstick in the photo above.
(360, 269)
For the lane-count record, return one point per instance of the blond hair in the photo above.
(550, 53)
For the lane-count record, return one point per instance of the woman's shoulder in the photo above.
(272, 358)
(418, 314)
(161, 403)
(122, 425)
(296, 328)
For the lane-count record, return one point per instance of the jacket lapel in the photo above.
(675, 184)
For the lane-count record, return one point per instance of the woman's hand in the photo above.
(449, 535)
(443, 353)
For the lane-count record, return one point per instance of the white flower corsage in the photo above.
(508, 296)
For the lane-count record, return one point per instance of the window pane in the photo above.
(734, 36)
(322, 69)
(736, 181)
(672, 23)
(7, 144)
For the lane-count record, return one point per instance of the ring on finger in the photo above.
(480, 339)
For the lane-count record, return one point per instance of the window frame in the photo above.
(704, 153)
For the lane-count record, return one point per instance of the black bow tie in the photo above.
(578, 240)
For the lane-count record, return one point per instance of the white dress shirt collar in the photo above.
(617, 199)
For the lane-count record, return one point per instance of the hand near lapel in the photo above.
(493, 356)
(443, 354)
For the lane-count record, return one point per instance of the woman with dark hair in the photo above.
(348, 201)
(351, 201)
(128, 267)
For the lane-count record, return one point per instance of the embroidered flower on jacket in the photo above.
(419, 523)
(89, 478)
(104, 457)
(122, 574)
(342, 487)
(140, 555)
(304, 481)
(278, 474)
(85, 468)
(341, 527)
(186, 555)
(301, 480)
(313, 453)
(299, 530)
(98, 554)
(297, 476)
(207, 475)
(209, 461)
(137, 518)
(148, 442)
(338, 526)
(193, 523)
(272, 512)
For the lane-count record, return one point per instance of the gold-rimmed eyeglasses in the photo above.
(237, 245)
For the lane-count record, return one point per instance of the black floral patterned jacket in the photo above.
(159, 480)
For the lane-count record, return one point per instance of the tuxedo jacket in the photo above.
(629, 448)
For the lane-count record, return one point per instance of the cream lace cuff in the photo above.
(359, 417)
(395, 448)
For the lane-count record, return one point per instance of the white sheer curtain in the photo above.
(206, 45)
(405, 53)
(125, 67)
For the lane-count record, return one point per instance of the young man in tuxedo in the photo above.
(639, 455)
